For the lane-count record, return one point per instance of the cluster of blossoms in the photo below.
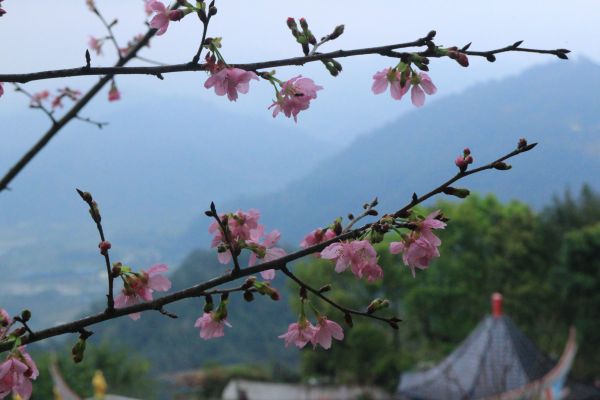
(400, 79)
(302, 332)
(139, 286)
(295, 96)
(163, 14)
(241, 230)
(462, 162)
(16, 374)
(358, 255)
(420, 246)
(18, 369)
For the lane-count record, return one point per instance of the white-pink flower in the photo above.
(391, 77)
(295, 96)
(160, 21)
(230, 81)
(240, 225)
(38, 98)
(299, 333)
(16, 374)
(211, 326)
(421, 245)
(325, 330)
(139, 287)
(96, 45)
(358, 255)
(421, 84)
(265, 251)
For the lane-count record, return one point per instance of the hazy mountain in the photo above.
(556, 105)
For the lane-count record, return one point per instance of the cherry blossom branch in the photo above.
(34, 102)
(203, 289)
(100, 125)
(392, 321)
(71, 114)
(234, 250)
(205, 19)
(104, 246)
(111, 35)
(190, 67)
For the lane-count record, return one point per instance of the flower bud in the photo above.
(212, 10)
(461, 163)
(325, 288)
(522, 143)
(469, 159)
(337, 32)
(291, 23)
(303, 24)
(116, 269)
(348, 320)
(104, 246)
(466, 151)
(26, 315)
(176, 15)
(460, 193)
(248, 296)
(274, 294)
(501, 166)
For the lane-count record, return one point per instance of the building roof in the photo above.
(496, 360)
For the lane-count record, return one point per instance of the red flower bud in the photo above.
(104, 246)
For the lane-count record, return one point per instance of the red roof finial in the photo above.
(497, 305)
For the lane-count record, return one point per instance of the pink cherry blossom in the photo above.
(38, 98)
(421, 245)
(295, 96)
(299, 333)
(230, 81)
(16, 374)
(358, 255)
(240, 225)
(5, 321)
(160, 21)
(325, 330)
(211, 326)
(317, 236)
(96, 45)
(147, 9)
(140, 286)
(392, 77)
(421, 84)
(267, 248)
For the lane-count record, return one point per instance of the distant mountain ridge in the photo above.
(557, 105)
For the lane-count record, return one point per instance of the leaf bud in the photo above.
(248, 296)
(501, 166)
(348, 320)
(460, 193)
(25, 315)
(337, 32)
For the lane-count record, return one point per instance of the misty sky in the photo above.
(46, 35)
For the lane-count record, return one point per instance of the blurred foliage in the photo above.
(125, 372)
(547, 266)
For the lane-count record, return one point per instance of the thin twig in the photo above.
(326, 299)
(100, 125)
(111, 35)
(37, 104)
(202, 289)
(95, 214)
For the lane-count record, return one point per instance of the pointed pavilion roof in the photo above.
(494, 359)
